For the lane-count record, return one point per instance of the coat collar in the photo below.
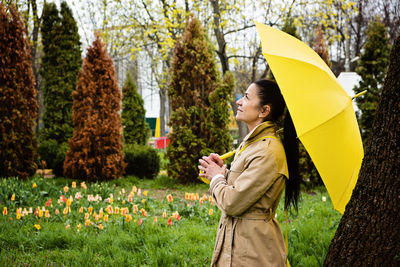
(267, 127)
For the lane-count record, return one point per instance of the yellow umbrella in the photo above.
(321, 110)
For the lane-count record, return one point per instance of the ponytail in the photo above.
(291, 145)
(270, 94)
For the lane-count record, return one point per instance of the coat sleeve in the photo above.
(259, 174)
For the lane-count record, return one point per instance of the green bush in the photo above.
(59, 159)
(54, 155)
(143, 161)
(48, 152)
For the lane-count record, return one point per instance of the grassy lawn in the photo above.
(131, 222)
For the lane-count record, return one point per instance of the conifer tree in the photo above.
(18, 104)
(136, 129)
(59, 69)
(321, 48)
(95, 149)
(372, 69)
(197, 101)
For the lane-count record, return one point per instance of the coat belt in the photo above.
(256, 215)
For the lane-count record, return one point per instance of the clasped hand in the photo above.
(211, 166)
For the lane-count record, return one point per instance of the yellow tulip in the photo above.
(37, 226)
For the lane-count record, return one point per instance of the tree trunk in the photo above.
(369, 231)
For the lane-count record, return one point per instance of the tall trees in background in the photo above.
(95, 149)
(136, 129)
(372, 69)
(196, 99)
(18, 104)
(61, 62)
(59, 68)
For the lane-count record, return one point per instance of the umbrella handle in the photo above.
(359, 94)
(224, 156)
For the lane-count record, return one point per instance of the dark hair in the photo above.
(270, 94)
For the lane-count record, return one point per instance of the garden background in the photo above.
(83, 185)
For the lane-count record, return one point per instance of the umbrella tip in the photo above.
(359, 94)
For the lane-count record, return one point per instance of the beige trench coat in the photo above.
(248, 233)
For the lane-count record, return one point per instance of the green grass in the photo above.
(187, 242)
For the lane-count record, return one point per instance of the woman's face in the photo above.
(249, 110)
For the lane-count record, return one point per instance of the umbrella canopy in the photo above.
(321, 110)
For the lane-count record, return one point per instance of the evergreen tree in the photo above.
(18, 104)
(136, 129)
(197, 101)
(321, 48)
(372, 69)
(95, 149)
(59, 69)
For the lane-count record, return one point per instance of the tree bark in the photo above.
(369, 231)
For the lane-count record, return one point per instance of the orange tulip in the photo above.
(164, 214)
(144, 212)
(65, 189)
(100, 226)
(4, 211)
(128, 218)
(140, 222)
(67, 227)
(13, 197)
(210, 212)
(37, 226)
(57, 212)
(169, 198)
(135, 209)
(106, 218)
(83, 185)
(109, 209)
(169, 221)
(73, 185)
(34, 185)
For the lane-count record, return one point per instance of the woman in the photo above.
(249, 193)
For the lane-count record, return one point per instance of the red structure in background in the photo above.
(162, 142)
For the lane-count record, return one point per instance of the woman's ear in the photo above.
(265, 110)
